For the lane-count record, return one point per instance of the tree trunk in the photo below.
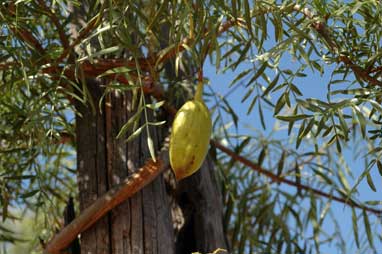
(202, 206)
(150, 221)
(143, 223)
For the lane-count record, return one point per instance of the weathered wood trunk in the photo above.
(143, 223)
(148, 222)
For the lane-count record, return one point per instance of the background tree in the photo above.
(98, 82)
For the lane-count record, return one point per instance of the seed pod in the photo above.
(190, 136)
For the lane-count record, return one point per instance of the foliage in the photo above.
(271, 47)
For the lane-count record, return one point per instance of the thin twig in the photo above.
(187, 42)
(87, 30)
(27, 37)
(24, 35)
(359, 72)
(276, 178)
(321, 28)
(56, 22)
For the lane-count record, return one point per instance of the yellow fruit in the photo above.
(190, 136)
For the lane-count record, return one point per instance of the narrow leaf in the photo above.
(135, 134)
(355, 226)
(367, 228)
(280, 164)
(271, 85)
(293, 118)
(150, 144)
(370, 182)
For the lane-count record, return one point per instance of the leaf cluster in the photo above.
(48, 51)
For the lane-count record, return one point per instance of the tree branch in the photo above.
(108, 201)
(359, 72)
(28, 38)
(187, 41)
(54, 19)
(24, 35)
(89, 28)
(277, 178)
(321, 28)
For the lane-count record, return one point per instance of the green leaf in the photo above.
(156, 123)
(101, 52)
(271, 85)
(280, 164)
(155, 105)
(344, 182)
(370, 182)
(299, 135)
(362, 176)
(373, 202)
(297, 172)
(127, 126)
(150, 144)
(355, 226)
(261, 114)
(308, 128)
(247, 16)
(379, 166)
(318, 67)
(240, 76)
(29, 194)
(295, 89)
(343, 123)
(230, 111)
(361, 120)
(243, 54)
(358, 91)
(323, 175)
(278, 27)
(135, 134)
(117, 70)
(279, 104)
(368, 228)
(338, 144)
(320, 126)
(247, 94)
(258, 73)
(262, 155)
(291, 123)
(253, 102)
(293, 118)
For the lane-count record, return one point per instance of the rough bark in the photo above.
(69, 216)
(91, 165)
(202, 206)
(142, 224)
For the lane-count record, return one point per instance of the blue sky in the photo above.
(312, 86)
